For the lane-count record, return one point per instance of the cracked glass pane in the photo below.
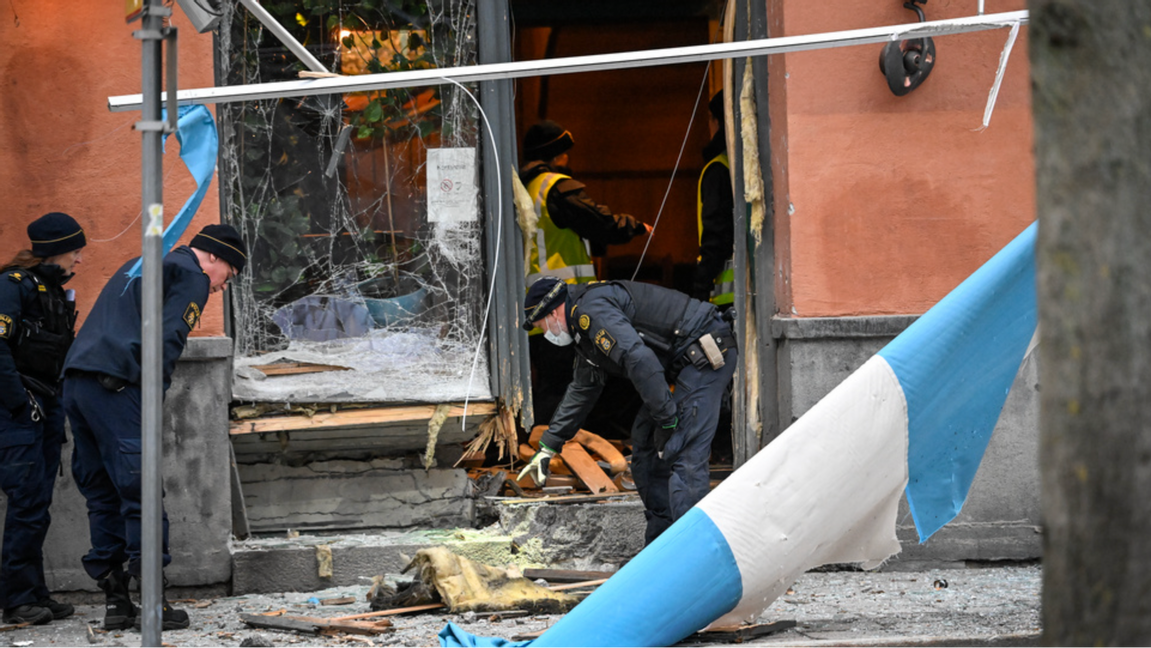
(347, 270)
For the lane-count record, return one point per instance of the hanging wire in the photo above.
(138, 214)
(495, 260)
(682, 146)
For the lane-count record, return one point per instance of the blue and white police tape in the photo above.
(917, 416)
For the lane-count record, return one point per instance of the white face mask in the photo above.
(560, 338)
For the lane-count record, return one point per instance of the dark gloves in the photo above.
(537, 468)
(663, 435)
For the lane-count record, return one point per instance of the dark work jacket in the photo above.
(717, 240)
(571, 208)
(109, 341)
(23, 305)
(631, 329)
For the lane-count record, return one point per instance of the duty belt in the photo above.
(696, 353)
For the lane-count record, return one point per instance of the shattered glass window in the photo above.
(362, 287)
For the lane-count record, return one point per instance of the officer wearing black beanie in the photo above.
(102, 399)
(37, 320)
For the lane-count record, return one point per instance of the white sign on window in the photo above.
(452, 185)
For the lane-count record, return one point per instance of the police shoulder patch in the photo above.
(604, 341)
(192, 315)
(5, 327)
(584, 321)
(16, 276)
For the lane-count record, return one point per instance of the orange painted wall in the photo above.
(884, 203)
(62, 150)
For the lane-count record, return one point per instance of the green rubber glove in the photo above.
(537, 468)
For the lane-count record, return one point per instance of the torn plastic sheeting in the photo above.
(320, 318)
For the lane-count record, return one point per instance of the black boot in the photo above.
(30, 614)
(119, 612)
(59, 610)
(170, 617)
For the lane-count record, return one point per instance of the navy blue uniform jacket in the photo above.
(19, 301)
(631, 329)
(109, 340)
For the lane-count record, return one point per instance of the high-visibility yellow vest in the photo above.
(556, 251)
(724, 290)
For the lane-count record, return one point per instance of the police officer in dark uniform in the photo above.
(655, 337)
(37, 319)
(570, 229)
(102, 398)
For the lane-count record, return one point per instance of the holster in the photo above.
(697, 356)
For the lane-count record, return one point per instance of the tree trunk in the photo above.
(1091, 69)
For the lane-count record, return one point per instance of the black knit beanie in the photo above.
(545, 140)
(55, 233)
(223, 241)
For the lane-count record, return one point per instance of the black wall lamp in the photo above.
(907, 63)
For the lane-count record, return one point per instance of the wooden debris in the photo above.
(353, 418)
(391, 612)
(316, 625)
(580, 585)
(14, 626)
(738, 633)
(584, 467)
(501, 428)
(294, 368)
(343, 600)
(582, 498)
(594, 443)
(565, 575)
(496, 617)
(717, 635)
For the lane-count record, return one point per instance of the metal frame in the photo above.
(573, 64)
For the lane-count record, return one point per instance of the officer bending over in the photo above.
(37, 319)
(102, 399)
(655, 337)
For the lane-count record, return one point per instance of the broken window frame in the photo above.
(505, 343)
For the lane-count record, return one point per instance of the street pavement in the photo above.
(983, 606)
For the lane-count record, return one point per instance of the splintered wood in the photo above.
(587, 462)
(316, 625)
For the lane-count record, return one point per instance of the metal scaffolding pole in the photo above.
(152, 34)
(592, 63)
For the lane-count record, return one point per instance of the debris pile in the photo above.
(587, 465)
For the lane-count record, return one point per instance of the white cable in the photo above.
(170, 169)
(682, 146)
(495, 261)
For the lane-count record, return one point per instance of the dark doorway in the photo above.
(629, 128)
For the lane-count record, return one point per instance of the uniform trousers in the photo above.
(29, 461)
(106, 465)
(672, 485)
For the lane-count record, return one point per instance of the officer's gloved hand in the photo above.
(537, 468)
(663, 434)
